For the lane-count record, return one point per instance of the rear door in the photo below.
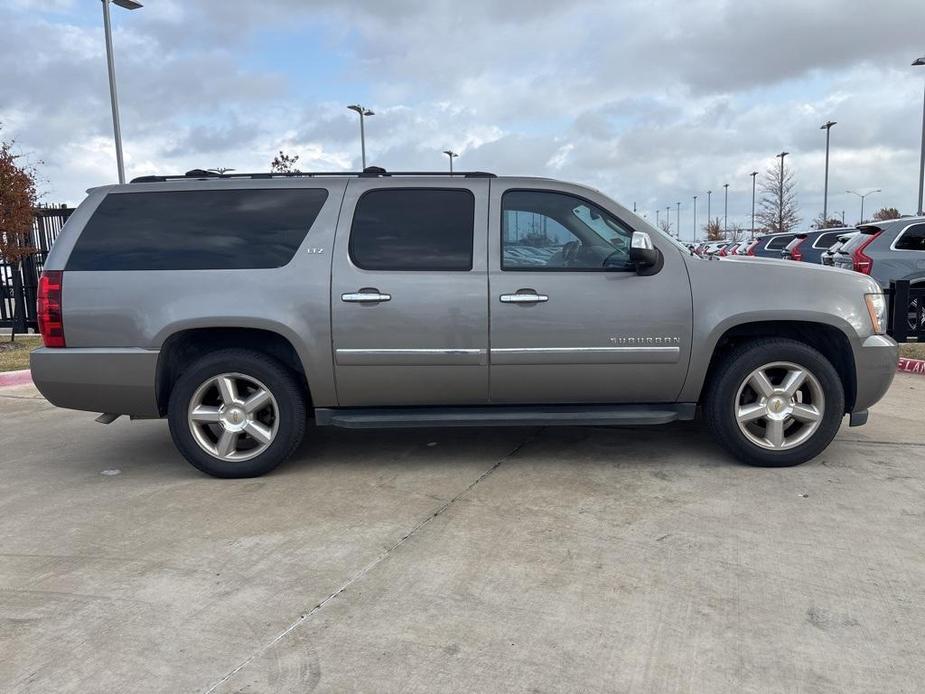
(409, 309)
(571, 320)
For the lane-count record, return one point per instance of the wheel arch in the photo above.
(182, 348)
(828, 339)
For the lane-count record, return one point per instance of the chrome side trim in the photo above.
(585, 355)
(411, 357)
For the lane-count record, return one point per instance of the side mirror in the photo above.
(644, 255)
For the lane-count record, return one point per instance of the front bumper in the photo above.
(117, 380)
(875, 364)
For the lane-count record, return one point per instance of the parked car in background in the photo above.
(270, 299)
(749, 248)
(713, 247)
(888, 250)
(808, 246)
(828, 256)
(771, 245)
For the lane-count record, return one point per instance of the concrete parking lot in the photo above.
(508, 560)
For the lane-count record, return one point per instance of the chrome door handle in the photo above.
(365, 297)
(523, 298)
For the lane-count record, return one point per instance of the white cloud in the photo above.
(651, 101)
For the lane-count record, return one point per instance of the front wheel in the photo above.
(775, 403)
(236, 413)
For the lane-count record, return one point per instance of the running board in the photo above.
(503, 416)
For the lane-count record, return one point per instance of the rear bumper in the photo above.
(875, 364)
(111, 379)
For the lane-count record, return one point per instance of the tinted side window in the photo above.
(413, 229)
(196, 230)
(827, 240)
(779, 242)
(546, 230)
(913, 239)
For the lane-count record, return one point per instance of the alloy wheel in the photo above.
(779, 405)
(233, 417)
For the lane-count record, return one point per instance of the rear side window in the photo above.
(197, 230)
(779, 242)
(413, 229)
(912, 239)
(827, 240)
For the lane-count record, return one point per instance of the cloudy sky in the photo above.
(652, 101)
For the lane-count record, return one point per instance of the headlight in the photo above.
(876, 307)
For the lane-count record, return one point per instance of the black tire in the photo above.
(721, 400)
(285, 388)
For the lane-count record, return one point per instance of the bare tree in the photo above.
(714, 229)
(17, 202)
(885, 213)
(734, 232)
(830, 223)
(285, 163)
(778, 207)
(665, 226)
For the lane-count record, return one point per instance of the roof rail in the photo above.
(368, 172)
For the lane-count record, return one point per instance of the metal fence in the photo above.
(18, 286)
(907, 312)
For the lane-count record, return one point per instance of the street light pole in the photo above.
(827, 126)
(363, 111)
(725, 208)
(754, 175)
(709, 195)
(678, 219)
(871, 192)
(780, 193)
(668, 218)
(113, 93)
(921, 209)
(694, 238)
(451, 154)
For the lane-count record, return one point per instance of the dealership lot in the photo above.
(489, 560)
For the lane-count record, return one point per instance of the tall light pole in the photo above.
(827, 126)
(363, 111)
(678, 219)
(754, 175)
(113, 93)
(694, 238)
(921, 210)
(780, 192)
(668, 218)
(871, 192)
(451, 154)
(709, 195)
(658, 220)
(725, 208)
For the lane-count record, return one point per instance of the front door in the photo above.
(408, 293)
(571, 320)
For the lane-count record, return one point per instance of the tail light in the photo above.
(751, 248)
(722, 252)
(50, 316)
(795, 252)
(863, 262)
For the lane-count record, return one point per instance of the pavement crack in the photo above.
(374, 563)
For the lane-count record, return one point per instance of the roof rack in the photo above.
(368, 172)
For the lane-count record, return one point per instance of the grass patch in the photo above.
(912, 350)
(15, 355)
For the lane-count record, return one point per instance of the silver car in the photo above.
(239, 306)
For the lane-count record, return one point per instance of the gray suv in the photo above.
(889, 250)
(240, 306)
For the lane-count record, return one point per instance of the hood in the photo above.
(764, 271)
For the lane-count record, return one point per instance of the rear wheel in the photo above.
(236, 413)
(775, 403)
